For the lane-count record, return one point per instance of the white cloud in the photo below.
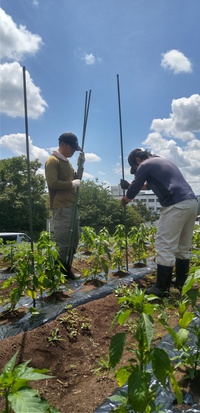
(90, 59)
(16, 41)
(118, 169)
(35, 3)
(182, 124)
(86, 175)
(176, 61)
(89, 156)
(183, 121)
(166, 148)
(187, 158)
(92, 157)
(186, 113)
(12, 98)
(16, 143)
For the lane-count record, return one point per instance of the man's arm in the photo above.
(136, 185)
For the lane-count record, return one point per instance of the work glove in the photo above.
(76, 183)
(81, 159)
(124, 184)
(123, 202)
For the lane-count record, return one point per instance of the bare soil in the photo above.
(74, 357)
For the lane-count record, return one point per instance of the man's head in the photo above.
(68, 144)
(136, 157)
(70, 139)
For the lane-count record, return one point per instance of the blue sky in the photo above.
(71, 46)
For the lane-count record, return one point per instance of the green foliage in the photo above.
(196, 237)
(49, 275)
(14, 201)
(195, 259)
(103, 365)
(23, 278)
(141, 392)
(36, 270)
(116, 348)
(119, 247)
(145, 212)
(138, 238)
(87, 238)
(15, 388)
(73, 323)
(187, 339)
(100, 257)
(8, 251)
(98, 208)
(55, 336)
(151, 238)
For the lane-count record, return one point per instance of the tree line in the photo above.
(97, 207)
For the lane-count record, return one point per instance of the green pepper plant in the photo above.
(195, 259)
(49, 275)
(19, 396)
(100, 257)
(187, 339)
(22, 278)
(138, 239)
(8, 252)
(35, 271)
(151, 234)
(87, 239)
(119, 246)
(136, 316)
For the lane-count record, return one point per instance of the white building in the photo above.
(147, 197)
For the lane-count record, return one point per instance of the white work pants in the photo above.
(175, 232)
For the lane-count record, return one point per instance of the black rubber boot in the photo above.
(182, 269)
(63, 268)
(163, 281)
(67, 271)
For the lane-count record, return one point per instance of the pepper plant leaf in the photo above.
(122, 375)
(148, 327)
(186, 319)
(116, 348)
(27, 400)
(161, 364)
(139, 389)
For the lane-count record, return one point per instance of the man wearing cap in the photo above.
(177, 215)
(62, 183)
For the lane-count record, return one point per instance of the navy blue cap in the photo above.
(70, 139)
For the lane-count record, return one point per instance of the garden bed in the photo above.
(78, 360)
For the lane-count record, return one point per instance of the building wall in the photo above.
(147, 197)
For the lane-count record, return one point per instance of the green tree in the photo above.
(14, 199)
(145, 212)
(98, 208)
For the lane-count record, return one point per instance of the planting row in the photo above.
(37, 271)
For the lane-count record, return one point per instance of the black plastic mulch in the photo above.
(49, 311)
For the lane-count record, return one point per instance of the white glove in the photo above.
(76, 183)
(81, 159)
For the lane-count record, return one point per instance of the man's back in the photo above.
(165, 180)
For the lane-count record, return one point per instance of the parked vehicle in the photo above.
(18, 237)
